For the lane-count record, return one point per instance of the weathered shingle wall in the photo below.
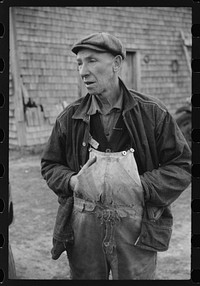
(48, 67)
(12, 124)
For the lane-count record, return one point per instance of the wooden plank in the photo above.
(34, 116)
(15, 69)
(33, 111)
(29, 117)
(186, 52)
(40, 116)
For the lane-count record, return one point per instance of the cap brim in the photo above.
(77, 48)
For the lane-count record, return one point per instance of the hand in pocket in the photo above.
(74, 179)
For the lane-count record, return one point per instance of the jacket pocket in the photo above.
(155, 234)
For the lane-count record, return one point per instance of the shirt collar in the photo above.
(82, 111)
(96, 105)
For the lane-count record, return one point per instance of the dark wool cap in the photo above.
(102, 42)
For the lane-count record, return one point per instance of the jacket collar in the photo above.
(82, 111)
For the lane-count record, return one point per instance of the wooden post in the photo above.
(186, 52)
(15, 69)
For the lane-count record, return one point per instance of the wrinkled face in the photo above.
(96, 70)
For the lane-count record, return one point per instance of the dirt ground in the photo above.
(35, 207)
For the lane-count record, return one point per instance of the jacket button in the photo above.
(84, 144)
(132, 150)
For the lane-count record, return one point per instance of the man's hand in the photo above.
(73, 180)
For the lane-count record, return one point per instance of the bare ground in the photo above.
(35, 207)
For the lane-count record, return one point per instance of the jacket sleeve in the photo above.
(164, 185)
(54, 168)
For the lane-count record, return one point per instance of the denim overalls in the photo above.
(106, 220)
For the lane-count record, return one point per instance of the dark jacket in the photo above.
(161, 152)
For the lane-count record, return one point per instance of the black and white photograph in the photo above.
(100, 143)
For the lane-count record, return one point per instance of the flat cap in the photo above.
(102, 42)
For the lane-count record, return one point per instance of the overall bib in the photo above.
(106, 220)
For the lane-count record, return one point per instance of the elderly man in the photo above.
(120, 160)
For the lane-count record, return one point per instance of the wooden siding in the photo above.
(48, 69)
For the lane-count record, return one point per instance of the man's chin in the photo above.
(91, 91)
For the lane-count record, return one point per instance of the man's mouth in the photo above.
(88, 83)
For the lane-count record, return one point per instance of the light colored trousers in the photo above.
(106, 219)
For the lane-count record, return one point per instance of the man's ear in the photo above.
(117, 63)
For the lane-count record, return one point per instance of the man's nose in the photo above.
(83, 70)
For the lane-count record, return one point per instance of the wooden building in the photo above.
(43, 70)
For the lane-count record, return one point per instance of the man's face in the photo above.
(96, 70)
